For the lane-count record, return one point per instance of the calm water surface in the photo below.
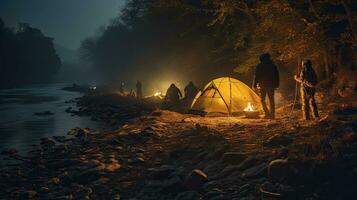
(20, 128)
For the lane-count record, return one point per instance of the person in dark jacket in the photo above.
(266, 80)
(190, 91)
(139, 90)
(173, 94)
(308, 81)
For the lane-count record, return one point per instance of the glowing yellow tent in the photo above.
(225, 95)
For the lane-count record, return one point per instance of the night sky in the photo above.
(67, 21)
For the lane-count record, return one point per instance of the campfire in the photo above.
(157, 94)
(250, 112)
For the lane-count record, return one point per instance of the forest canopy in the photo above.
(27, 56)
(200, 40)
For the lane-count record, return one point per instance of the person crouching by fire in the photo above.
(308, 80)
(173, 94)
(266, 80)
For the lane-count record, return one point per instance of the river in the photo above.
(20, 128)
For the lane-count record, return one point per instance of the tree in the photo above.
(26, 56)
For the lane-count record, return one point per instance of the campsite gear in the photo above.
(266, 78)
(190, 91)
(139, 91)
(173, 94)
(296, 86)
(266, 73)
(309, 80)
(224, 95)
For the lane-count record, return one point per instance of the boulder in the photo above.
(233, 157)
(196, 179)
(86, 176)
(248, 162)
(188, 195)
(280, 170)
(215, 193)
(48, 142)
(136, 160)
(258, 170)
(173, 185)
(278, 140)
(162, 172)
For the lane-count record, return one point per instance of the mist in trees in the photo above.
(200, 40)
(27, 56)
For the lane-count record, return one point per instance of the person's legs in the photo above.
(313, 106)
(263, 94)
(271, 102)
(304, 104)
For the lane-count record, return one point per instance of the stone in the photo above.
(161, 173)
(87, 176)
(31, 194)
(278, 140)
(215, 193)
(173, 185)
(48, 142)
(280, 170)
(188, 195)
(228, 170)
(136, 160)
(233, 157)
(246, 163)
(54, 181)
(112, 165)
(255, 171)
(195, 180)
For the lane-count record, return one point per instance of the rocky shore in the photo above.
(159, 154)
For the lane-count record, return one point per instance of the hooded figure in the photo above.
(173, 94)
(266, 80)
(308, 81)
(190, 91)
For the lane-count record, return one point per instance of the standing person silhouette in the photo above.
(266, 79)
(139, 91)
(308, 81)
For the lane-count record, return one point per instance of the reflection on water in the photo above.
(20, 128)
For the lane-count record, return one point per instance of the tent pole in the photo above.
(230, 96)
(221, 96)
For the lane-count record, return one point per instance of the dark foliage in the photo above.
(203, 39)
(26, 56)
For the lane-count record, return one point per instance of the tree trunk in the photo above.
(350, 20)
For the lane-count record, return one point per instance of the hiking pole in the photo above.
(296, 88)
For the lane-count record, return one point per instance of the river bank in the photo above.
(159, 154)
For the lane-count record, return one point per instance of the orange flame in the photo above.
(249, 107)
